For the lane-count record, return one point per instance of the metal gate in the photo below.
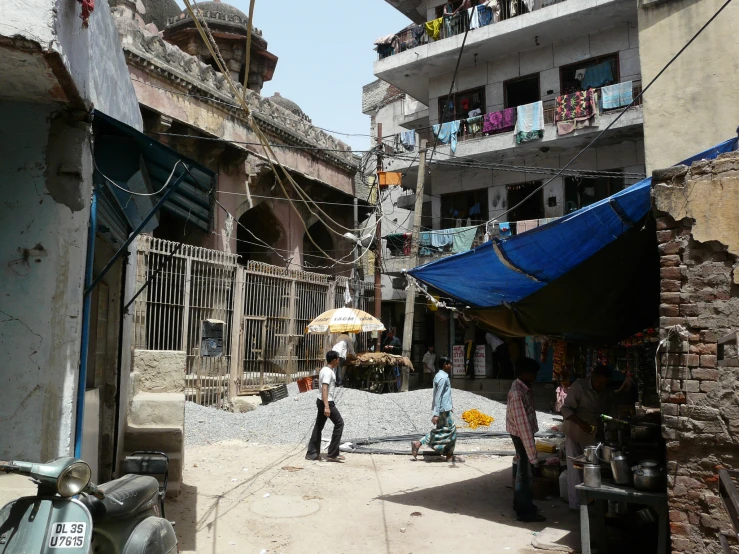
(186, 285)
(278, 304)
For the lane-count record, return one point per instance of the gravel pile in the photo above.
(290, 421)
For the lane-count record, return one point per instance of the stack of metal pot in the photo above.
(648, 476)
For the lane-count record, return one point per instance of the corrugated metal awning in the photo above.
(141, 164)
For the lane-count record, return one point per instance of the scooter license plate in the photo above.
(68, 535)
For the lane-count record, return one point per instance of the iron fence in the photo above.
(185, 285)
(265, 344)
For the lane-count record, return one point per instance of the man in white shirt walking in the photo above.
(429, 366)
(327, 410)
(344, 347)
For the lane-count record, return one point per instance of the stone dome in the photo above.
(217, 13)
(159, 11)
(288, 105)
(221, 8)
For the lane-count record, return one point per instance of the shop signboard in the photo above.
(458, 361)
(479, 361)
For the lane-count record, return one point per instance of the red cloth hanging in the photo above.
(87, 7)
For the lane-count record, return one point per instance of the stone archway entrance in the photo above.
(258, 234)
(313, 259)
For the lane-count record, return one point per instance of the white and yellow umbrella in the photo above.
(344, 320)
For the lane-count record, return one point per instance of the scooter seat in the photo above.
(134, 492)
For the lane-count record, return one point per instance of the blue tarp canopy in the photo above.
(590, 274)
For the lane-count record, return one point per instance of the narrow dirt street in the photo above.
(251, 498)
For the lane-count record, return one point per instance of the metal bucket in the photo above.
(621, 469)
(591, 474)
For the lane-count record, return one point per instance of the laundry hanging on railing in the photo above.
(399, 244)
(442, 238)
(446, 133)
(617, 96)
(460, 239)
(485, 15)
(499, 122)
(473, 16)
(597, 76)
(408, 140)
(384, 45)
(506, 229)
(417, 33)
(529, 122)
(474, 125)
(526, 225)
(575, 111)
(463, 239)
(433, 28)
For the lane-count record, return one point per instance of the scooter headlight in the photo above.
(73, 479)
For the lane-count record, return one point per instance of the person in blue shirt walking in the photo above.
(443, 437)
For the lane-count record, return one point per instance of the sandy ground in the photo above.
(250, 498)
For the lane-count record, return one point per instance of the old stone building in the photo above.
(289, 216)
(698, 234)
(228, 27)
(187, 103)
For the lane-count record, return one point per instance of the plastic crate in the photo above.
(305, 384)
(274, 394)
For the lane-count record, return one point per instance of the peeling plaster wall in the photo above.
(64, 61)
(42, 261)
(111, 89)
(700, 91)
(32, 20)
(697, 232)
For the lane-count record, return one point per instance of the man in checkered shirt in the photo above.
(521, 424)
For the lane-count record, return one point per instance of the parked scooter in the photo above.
(119, 517)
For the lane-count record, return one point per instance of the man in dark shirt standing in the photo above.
(392, 343)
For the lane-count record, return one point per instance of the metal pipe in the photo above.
(86, 309)
(136, 232)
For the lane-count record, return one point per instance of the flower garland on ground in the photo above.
(475, 419)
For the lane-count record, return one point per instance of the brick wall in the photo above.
(697, 211)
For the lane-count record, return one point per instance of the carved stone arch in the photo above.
(258, 232)
(313, 259)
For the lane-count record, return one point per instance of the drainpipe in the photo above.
(86, 308)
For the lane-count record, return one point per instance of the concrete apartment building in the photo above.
(521, 59)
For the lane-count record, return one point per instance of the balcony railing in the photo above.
(428, 252)
(549, 113)
(496, 230)
(416, 35)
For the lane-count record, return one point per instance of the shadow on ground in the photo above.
(183, 510)
(490, 497)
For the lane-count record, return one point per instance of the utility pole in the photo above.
(410, 298)
(378, 240)
(355, 303)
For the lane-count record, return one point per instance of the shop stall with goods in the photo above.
(584, 292)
